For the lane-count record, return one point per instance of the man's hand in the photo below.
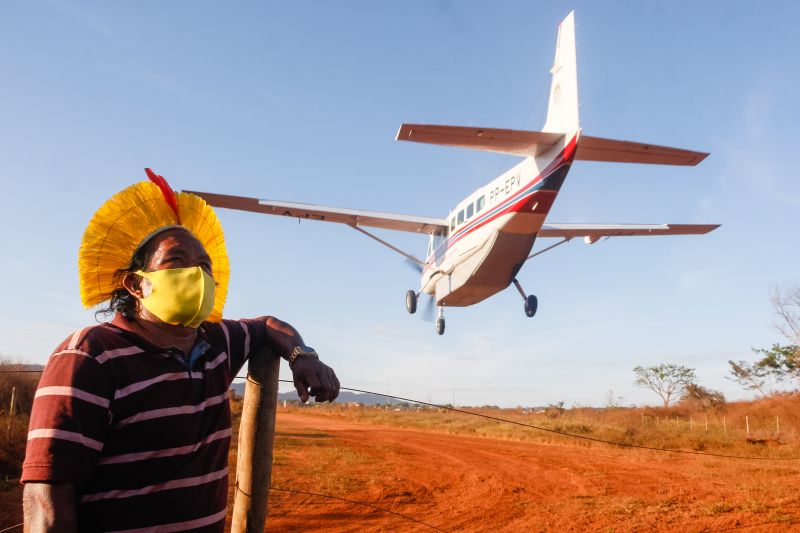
(314, 378)
(311, 376)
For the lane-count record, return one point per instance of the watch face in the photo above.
(305, 349)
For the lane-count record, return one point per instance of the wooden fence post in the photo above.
(778, 423)
(747, 424)
(11, 412)
(256, 436)
(725, 426)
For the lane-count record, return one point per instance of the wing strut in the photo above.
(559, 243)
(394, 248)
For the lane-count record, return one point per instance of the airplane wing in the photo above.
(600, 149)
(514, 142)
(350, 217)
(532, 143)
(592, 232)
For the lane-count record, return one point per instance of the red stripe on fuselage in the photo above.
(547, 196)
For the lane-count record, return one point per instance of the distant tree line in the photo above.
(780, 363)
(776, 365)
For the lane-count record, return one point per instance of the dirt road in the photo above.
(455, 483)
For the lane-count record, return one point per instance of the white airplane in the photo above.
(478, 249)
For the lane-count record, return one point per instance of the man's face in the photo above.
(178, 249)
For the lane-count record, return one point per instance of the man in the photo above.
(130, 426)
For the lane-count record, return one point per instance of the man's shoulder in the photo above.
(95, 340)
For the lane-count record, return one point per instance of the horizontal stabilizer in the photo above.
(599, 149)
(514, 142)
(595, 231)
(351, 217)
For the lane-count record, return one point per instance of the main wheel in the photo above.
(531, 304)
(440, 326)
(411, 301)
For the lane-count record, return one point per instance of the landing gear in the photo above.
(531, 302)
(440, 322)
(411, 301)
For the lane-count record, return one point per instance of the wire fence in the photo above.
(563, 433)
(556, 431)
(645, 420)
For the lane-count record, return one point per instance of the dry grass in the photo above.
(314, 459)
(12, 445)
(677, 428)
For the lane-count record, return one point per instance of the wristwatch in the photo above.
(301, 351)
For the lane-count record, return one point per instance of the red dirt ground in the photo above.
(458, 483)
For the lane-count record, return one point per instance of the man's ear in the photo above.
(133, 284)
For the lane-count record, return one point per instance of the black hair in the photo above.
(122, 301)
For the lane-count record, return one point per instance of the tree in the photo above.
(751, 376)
(614, 400)
(669, 381)
(554, 410)
(703, 398)
(786, 304)
(781, 362)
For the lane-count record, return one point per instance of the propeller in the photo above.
(416, 266)
(427, 312)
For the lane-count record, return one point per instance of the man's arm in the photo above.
(311, 376)
(49, 507)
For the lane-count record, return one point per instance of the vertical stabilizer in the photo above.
(562, 110)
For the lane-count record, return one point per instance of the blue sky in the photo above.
(300, 101)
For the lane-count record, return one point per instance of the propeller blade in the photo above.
(416, 266)
(427, 313)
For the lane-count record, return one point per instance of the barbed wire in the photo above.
(488, 417)
(540, 428)
(558, 432)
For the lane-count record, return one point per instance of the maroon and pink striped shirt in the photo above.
(143, 435)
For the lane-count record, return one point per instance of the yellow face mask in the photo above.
(179, 296)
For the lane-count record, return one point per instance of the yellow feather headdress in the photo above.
(128, 218)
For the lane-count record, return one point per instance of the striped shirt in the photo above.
(142, 433)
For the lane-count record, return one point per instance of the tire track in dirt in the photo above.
(464, 483)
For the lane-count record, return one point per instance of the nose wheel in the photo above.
(440, 322)
(411, 302)
(531, 302)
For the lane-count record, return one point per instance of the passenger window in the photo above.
(469, 211)
(479, 204)
(461, 216)
(452, 223)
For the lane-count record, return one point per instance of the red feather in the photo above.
(166, 190)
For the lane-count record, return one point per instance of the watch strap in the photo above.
(301, 351)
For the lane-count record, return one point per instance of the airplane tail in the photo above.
(561, 125)
(562, 113)
(562, 110)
